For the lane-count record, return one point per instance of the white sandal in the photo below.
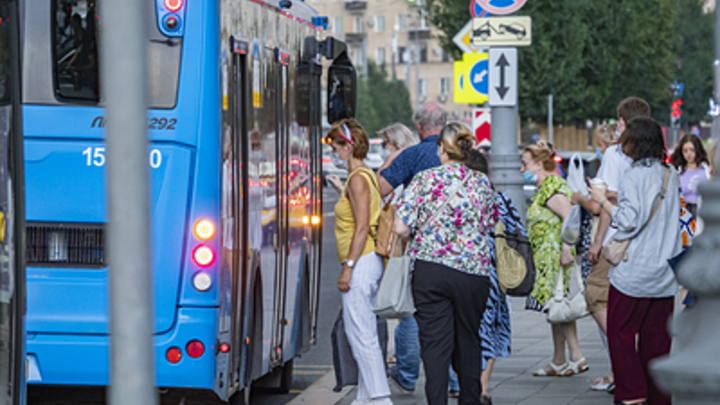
(575, 367)
(555, 371)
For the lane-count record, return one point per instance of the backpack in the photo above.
(513, 254)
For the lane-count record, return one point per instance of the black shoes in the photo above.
(485, 400)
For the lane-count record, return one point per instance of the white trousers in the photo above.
(361, 328)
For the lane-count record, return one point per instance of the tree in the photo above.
(695, 59)
(589, 53)
(382, 101)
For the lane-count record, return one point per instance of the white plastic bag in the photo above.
(571, 226)
(576, 175)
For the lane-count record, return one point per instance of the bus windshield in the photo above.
(75, 55)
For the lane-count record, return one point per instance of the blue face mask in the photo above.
(599, 153)
(340, 164)
(529, 177)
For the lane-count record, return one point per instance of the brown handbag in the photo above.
(385, 238)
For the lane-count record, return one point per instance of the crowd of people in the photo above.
(447, 210)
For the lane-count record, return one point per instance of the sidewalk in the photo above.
(512, 382)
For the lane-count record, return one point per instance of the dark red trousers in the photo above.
(627, 318)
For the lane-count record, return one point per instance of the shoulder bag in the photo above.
(385, 239)
(616, 251)
(514, 260)
(394, 296)
(562, 309)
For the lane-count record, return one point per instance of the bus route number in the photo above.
(96, 157)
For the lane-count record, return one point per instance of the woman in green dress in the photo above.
(550, 206)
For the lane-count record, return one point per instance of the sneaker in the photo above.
(611, 388)
(453, 394)
(393, 377)
(380, 401)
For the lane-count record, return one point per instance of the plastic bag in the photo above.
(576, 175)
(570, 232)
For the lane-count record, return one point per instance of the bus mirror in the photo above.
(342, 89)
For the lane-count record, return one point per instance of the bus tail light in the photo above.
(224, 348)
(195, 349)
(173, 5)
(202, 282)
(204, 229)
(203, 256)
(173, 355)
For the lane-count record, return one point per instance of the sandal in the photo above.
(601, 384)
(575, 367)
(555, 371)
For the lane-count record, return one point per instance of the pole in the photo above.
(504, 159)
(417, 60)
(364, 56)
(394, 52)
(550, 119)
(691, 373)
(123, 63)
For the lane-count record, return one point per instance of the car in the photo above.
(374, 157)
(515, 29)
(329, 168)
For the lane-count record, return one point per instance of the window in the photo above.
(75, 55)
(444, 86)
(380, 56)
(445, 56)
(422, 87)
(380, 23)
(337, 26)
(423, 54)
(403, 55)
(402, 22)
(358, 25)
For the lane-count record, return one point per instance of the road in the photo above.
(309, 368)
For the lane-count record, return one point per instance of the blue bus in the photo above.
(236, 199)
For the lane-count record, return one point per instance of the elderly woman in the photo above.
(449, 213)
(395, 138)
(643, 286)
(545, 215)
(357, 215)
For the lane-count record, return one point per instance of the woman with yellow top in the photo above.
(357, 215)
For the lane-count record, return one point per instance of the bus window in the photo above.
(75, 55)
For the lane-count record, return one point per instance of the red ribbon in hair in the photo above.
(345, 133)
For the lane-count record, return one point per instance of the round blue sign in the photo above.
(476, 11)
(479, 77)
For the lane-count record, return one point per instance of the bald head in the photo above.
(430, 119)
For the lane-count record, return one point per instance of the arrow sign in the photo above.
(503, 77)
(502, 64)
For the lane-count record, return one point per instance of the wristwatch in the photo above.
(349, 262)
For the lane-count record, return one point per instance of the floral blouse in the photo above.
(458, 237)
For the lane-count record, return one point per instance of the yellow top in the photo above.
(345, 219)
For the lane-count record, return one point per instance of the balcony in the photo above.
(356, 7)
(422, 34)
(354, 38)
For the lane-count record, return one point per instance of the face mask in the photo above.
(529, 177)
(384, 154)
(599, 153)
(618, 134)
(340, 164)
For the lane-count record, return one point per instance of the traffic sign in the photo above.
(501, 7)
(503, 77)
(476, 11)
(481, 125)
(471, 79)
(463, 39)
(502, 31)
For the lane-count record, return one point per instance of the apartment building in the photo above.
(397, 34)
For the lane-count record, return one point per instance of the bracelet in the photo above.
(602, 203)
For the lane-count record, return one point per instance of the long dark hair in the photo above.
(477, 161)
(678, 159)
(643, 139)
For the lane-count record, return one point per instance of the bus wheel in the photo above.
(286, 378)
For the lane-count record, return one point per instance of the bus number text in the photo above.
(96, 157)
(154, 123)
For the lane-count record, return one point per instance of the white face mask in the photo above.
(339, 163)
(384, 154)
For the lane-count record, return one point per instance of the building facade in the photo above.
(396, 33)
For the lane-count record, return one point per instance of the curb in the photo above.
(321, 392)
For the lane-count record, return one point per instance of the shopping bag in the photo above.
(346, 371)
(570, 232)
(394, 296)
(576, 175)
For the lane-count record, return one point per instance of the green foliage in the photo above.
(382, 101)
(593, 53)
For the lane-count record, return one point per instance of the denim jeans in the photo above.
(407, 352)
(454, 385)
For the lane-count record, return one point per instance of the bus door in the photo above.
(315, 73)
(239, 174)
(12, 213)
(282, 60)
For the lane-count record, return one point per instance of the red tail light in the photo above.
(173, 355)
(203, 256)
(224, 348)
(195, 349)
(557, 158)
(173, 5)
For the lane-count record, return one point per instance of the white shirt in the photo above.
(614, 164)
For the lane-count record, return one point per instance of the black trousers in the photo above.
(449, 309)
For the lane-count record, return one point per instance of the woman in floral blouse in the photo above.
(550, 206)
(449, 212)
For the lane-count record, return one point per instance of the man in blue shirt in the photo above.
(430, 120)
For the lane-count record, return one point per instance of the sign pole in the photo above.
(123, 64)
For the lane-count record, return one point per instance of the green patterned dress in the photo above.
(543, 227)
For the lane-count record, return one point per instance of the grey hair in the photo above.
(431, 116)
(399, 135)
